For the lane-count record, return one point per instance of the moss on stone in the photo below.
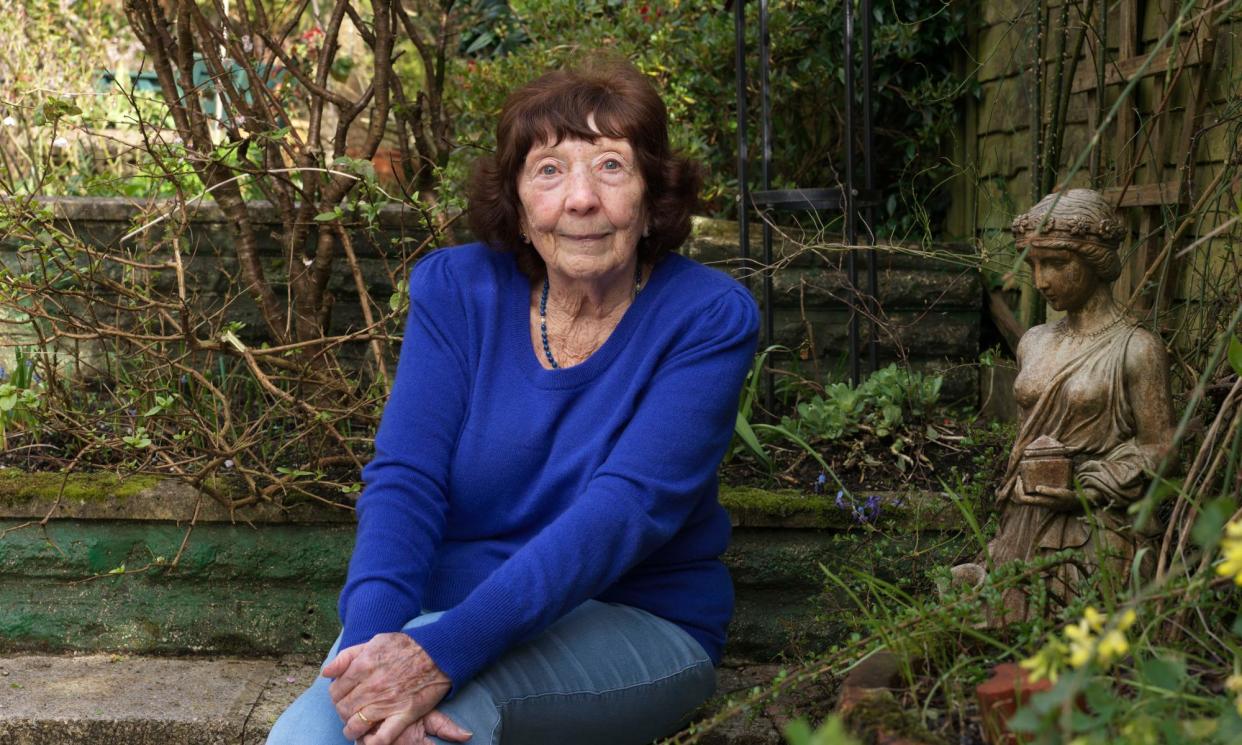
(18, 486)
(778, 502)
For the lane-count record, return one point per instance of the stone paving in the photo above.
(104, 699)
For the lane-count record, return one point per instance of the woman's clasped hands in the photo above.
(386, 691)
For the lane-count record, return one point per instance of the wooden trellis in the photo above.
(1153, 153)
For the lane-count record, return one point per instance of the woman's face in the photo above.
(1064, 279)
(582, 207)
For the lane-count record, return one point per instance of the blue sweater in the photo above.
(507, 494)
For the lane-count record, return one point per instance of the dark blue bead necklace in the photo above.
(543, 313)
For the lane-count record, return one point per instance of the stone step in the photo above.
(109, 699)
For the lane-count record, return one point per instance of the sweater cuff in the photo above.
(373, 608)
(467, 638)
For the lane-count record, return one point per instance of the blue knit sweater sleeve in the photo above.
(401, 513)
(661, 467)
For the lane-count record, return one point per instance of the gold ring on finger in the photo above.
(362, 716)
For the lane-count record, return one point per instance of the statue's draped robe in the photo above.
(1085, 406)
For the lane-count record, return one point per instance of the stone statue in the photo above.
(1095, 412)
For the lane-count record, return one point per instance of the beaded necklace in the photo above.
(1063, 327)
(543, 312)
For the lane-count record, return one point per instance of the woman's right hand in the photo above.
(435, 724)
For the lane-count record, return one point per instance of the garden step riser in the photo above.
(270, 587)
(240, 590)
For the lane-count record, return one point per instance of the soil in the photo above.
(951, 454)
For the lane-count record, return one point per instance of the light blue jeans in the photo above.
(604, 674)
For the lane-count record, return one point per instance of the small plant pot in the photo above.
(1000, 697)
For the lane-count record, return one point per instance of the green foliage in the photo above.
(888, 403)
(831, 732)
(688, 50)
(744, 437)
(21, 396)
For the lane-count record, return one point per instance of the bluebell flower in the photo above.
(840, 501)
(819, 482)
(871, 509)
(4, 374)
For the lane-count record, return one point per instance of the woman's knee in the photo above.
(475, 710)
(310, 719)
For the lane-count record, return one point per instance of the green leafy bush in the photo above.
(890, 401)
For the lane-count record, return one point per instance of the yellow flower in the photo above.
(1112, 646)
(1140, 732)
(1094, 618)
(1231, 552)
(1233, 684)
(1047, 662)
(1127, 620)
(1082, 643)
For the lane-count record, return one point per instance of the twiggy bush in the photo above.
(128, 358)
(261, 385)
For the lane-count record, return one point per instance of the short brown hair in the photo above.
(559, 105)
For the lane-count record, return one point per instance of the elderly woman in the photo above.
(1093, 393)
(537, 557)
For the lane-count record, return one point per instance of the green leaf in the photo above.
(54, 108)
(1164, 673)
(1101, 700)
(1025, 721)
(1235, 354)
(743, 430)
(1211, 523)
(117, 570)
(831, 732)
(480, 42)
(328, 216)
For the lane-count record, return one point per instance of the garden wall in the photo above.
(265, 580)
(930, 299)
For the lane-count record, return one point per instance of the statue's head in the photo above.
(1071, 240)
(1078, 220)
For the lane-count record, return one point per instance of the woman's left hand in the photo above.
(383, 687)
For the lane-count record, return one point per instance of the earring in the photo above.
(525, 238)
(647, 231)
